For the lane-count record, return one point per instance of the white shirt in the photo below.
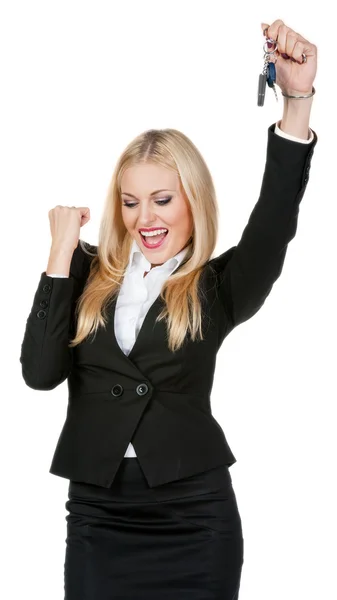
(137, 293)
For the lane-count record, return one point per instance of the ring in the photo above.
(304, 57)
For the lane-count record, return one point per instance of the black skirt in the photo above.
(180, 540)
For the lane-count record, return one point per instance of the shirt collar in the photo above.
(138, 260)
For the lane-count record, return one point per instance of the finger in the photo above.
(294, 44)
(303, 48)
(290, 42)
(301, 38)
(281, 37)
(275, 33)
(273, 29)
(263, 27)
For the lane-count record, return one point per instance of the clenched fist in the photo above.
(65, 225)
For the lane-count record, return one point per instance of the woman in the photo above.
(152, 509)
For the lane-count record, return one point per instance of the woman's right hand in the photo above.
(65, 224)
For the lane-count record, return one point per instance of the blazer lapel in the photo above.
(149, 333)
(145, 330)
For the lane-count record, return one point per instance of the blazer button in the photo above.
(46, 288)
(41, 314)
(44, 303)
(117, 390)
(142, 389)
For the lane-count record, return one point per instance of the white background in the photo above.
(79, 81)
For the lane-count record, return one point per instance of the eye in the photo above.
(160, 202)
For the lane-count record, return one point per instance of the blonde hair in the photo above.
(171, 149)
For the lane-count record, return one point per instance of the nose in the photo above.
(147, 214)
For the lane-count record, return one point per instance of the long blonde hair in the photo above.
(172, 149)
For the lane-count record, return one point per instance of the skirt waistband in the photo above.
(130, 485)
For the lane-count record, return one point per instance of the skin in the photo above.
(140, 181)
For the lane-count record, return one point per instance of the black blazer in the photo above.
(157, 399)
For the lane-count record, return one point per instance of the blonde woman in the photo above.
(134, 325)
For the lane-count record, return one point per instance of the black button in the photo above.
(142, 389)
(117, 390)
(44, 303)
(41, 314)
(46, 288)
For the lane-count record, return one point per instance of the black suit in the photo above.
(157, 399)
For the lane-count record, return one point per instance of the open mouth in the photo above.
(153, 241)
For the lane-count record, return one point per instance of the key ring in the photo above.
(270, 41)
(271, 51)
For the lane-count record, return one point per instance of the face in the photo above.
(145, 207)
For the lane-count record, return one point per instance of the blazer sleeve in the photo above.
(46, 359)
(245, 273)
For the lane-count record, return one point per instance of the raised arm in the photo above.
(245, 273)
(45, 358)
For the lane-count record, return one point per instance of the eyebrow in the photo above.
(152, 193)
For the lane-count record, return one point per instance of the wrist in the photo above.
(59, 261)
(58, 249)
(296, 117)
(298, 95)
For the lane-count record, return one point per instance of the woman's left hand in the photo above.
(292, 75)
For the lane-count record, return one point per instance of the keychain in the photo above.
(268, 74)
